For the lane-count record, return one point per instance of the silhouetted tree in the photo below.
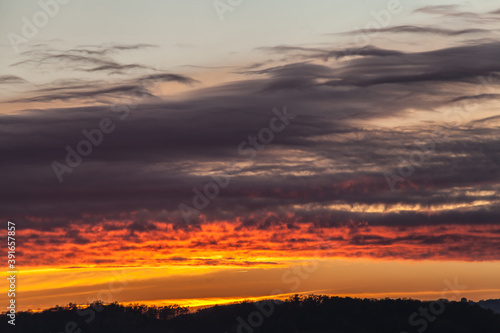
(297, 314)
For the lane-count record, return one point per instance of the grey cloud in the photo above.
(326, 54)
(167, 77)
(453, 11)
(104, 49)
(96, 91)
(11, 79)
(475, 97)
(85, 58)
(437, 9)
(79, 62)
(423, 30)
(75, 94)
(154, 159)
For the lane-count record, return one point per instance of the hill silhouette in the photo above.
(297, 314)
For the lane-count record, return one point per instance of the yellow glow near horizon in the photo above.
(209, 285)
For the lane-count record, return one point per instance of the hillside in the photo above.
(297, 314)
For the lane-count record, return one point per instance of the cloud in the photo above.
(79, 62)
(475, 97)
(104, 49)
(167, 77)
(231, 245)
(444, 65)
(11, 79)
(154, 162)
(324, 170)
(86, 94)
(85, 58)
(326, 54)
(437, 9)
(453, 11)
(98, 92)
(422, 30)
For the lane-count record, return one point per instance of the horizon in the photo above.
(264, 299)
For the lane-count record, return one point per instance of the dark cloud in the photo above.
(167, 77)
(475, 97)
(118, 178)
(320, 169)
(86, 94)
(114, 68)
(451, 65)
(96, 91)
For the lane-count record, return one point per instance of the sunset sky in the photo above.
(201, 152)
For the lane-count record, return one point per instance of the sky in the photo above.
(208, 152)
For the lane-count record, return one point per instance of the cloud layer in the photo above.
(327, 169)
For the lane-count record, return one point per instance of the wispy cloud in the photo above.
(86, 58)
(423, 30)
(12, 79)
